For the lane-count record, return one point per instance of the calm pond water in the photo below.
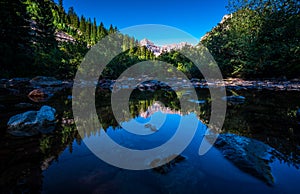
(62, 163)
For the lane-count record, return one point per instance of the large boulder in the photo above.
(249, 155)
(32, 122)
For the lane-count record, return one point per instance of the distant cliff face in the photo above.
(157, 50)
(222, 25)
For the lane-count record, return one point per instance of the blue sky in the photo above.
(195, 17)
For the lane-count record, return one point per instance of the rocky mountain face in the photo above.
(222, 25)
(157, 50)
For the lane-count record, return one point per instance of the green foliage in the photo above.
(14, 39)
(181, 62)
(260, 39)
(130, 56)
(29, 44)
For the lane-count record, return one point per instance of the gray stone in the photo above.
(32, 122)
(249, 155)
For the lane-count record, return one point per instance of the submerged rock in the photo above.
(32, 122)
(152, 127)
(249, 155)
(235, 98)
(169, 163)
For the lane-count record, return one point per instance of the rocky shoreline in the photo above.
(41, 88)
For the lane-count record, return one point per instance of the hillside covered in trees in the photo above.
(39, 37)
(259, 39)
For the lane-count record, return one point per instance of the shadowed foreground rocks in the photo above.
(249, 155)
(32, 122)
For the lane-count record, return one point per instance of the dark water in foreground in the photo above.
(61, 162)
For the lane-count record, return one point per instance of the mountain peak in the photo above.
(146, 42)
(157, 50)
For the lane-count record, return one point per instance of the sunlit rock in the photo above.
(39, 95)
(32, 122)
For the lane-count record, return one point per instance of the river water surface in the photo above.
(62, 163)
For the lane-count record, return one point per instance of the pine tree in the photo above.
(94, 32)
(60, 4)
(45, 28)
(45, 46)
(73, 18)
(82, 26)
(88, 30)
(111, 29)
(102, 32)
(14, 37)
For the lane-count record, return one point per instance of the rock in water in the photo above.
(168, 163)
(32, 122)
(45, 81)
(249, 155)
(236, 99)
(39, 95)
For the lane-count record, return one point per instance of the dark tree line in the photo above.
(260, 39)
(29, 44)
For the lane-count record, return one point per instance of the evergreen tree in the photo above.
(94, 32)
(45, 45)
(111, 29)
(88, 30)
(15, 38)
(73, 18)
(260, 39)
(82, 25)
(102, 32)
(60, 4)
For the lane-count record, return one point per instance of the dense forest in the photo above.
(259, 39)
(39, 37)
